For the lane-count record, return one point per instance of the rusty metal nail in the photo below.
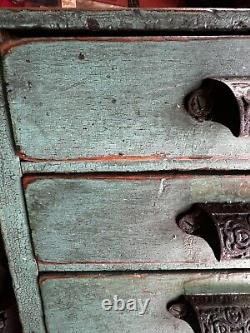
(188, 224)
(178, 310)
(198, 105)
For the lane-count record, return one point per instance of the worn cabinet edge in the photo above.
(15, 231)
(191, 286)
(124, 267)
(132, 166)
(188, 20)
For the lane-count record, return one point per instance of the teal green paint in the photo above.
(124, 98)
(15, 231)
(91, 224)
(72, 220)
(73, 304)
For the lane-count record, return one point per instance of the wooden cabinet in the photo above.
(124, 169)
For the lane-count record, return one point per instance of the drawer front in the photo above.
(83, 303)
(131, 222)
(122, 98)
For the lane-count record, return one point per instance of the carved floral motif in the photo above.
(225, 226)
(234, 235)
(225, 313)
(225, 320)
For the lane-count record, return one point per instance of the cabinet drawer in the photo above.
(82, 303)
(130, 221)
(120, 99)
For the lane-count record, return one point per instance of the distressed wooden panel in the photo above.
(15, 231)
(189, 20)
(124, 222)
(120, 99)
(132, 166)
(73, 303)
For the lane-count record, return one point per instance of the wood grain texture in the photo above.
(120, 98)
(189, 20)
(73, 303)
(124, 222)
(15, 231)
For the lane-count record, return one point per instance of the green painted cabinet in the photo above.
(124, 196)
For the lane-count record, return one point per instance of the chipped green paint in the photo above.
(15, 231)
(133, 166)
(124, 222)
(126, 21)
(107, 224)
(124, 101)
(74, 303)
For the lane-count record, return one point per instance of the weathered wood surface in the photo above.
(132, 166)
(120, 99)
(15, 231)
(190, 20)
(74, 303)
(124, 222)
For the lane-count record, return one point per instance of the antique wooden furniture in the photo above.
(125, 169)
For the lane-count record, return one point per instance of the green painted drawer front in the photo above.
(120, 98)
(124, 222)
(74, 303)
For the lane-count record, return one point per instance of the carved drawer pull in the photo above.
(226, 227)
(214, 313)
(223, 100)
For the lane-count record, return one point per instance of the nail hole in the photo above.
(81, 56)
